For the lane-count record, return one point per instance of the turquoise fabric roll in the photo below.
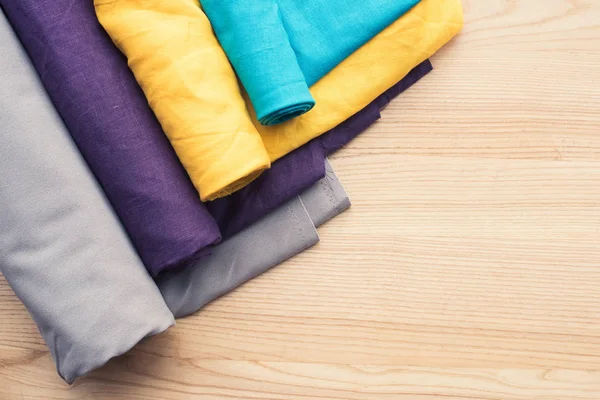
(279, 92)
(279, 48)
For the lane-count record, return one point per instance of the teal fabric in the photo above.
(279, 48)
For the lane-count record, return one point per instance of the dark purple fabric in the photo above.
(297, 171)
(109, 118)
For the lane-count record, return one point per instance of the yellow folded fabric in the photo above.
(368, 72)
(193, 90)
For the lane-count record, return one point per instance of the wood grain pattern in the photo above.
(467, 268)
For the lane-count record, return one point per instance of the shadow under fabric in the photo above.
(155, 33)
(62, 250)
(280, 48)
(109, 119)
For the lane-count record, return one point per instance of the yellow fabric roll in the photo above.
(368, 72)
(191, 88)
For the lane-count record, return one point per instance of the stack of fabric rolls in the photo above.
(157, 154)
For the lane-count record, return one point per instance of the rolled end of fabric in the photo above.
(278, 104)
(232, 170)
(234, 186)
(276, 97)
(94, 356)
(287, 113)
(261, 54)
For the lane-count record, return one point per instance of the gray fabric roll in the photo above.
(265, 244)
(62, 249)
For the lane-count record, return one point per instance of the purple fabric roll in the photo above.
(296, 172)
(108, 116)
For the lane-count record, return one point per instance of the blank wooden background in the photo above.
(467, 268)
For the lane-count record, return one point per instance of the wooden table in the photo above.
(467, 268)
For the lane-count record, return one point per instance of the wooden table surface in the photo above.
(467, 268)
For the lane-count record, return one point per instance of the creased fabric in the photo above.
(279, 48)
(62, 249)
(192, 89)
(283, 233)
(349, 87)
(302, 168)
(109, 118)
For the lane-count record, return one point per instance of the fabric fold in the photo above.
(107, 115)
(62, 250)
(192, 89)
(279, 48)
(277, 237)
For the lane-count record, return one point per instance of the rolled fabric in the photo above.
(282, 234)
(344, 91)
(279, 48)
(302, 168)
(256, 41)
(62, 250)
(108, 116)
(192, 89)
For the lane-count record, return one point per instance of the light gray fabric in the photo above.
(327, 198)
(265, 244)
(62, 250)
